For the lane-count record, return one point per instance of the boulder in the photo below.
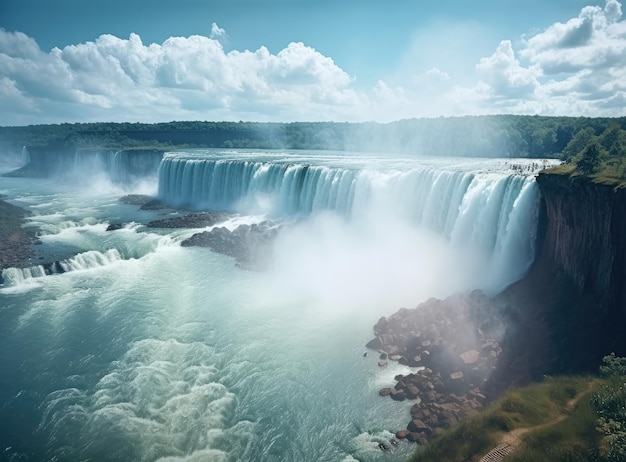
(470, 356)
(412, 391)
(417, 425)
(385, 391)
(401, 434)
(374, 344)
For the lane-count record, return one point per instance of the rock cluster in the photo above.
(455, 341)
(249, 245)
(191, 220)
(145, 202)
(15, 241)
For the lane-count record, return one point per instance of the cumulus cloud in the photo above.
(182, 78)
(504, 73)
(576, 66)
(217, 33)
(594, 39)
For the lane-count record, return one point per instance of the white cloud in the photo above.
(184, 77)
(217, 32)
(613, 10)
(594, 39)
(437, 74)
(575, 67)
(504, 73)
(18, 44)
(571, 68)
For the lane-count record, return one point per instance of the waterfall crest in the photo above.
(492, 210)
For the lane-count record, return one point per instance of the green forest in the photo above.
(600, 156)
(589, 146)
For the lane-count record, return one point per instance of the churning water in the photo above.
(145, 350)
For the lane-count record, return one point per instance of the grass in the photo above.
(563, 169)
(535, 405)
(572, 439)
(609, 174)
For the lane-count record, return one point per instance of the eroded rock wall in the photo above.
(571, 307)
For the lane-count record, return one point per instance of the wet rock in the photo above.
(250, 245)
(385, 391)
(136, 199)
(374, 344)
(456, 340)
(417, 425)
(470, 356)
(418, 438)
(114, 226)
(191, 220)
(401, 434)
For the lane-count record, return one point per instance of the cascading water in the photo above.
(493, 213)
(121, 166)
(137, 348)
(25, 156)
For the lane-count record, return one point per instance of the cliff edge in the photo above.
(570, 309)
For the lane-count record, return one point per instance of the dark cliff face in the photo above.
(585, 234)
(570, 309)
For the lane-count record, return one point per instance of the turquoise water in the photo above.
(146, 350)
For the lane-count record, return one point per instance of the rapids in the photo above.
(140, 349)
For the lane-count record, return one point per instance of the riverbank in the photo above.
(454, 344)
(15, 240)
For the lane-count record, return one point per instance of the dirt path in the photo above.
(511, 440)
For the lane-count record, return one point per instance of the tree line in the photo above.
(480, 136)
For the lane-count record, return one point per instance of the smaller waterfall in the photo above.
(83, 261)
(121, 167)
(25, 156)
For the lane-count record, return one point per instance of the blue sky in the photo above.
(281, 60)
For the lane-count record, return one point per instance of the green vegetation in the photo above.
(567, 418)
(610, 405)
(480, 136)
(571, 439)
(601, 157)
(531, 406)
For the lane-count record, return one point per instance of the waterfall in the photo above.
(229, 185)
(491, 210)
(25, 156)
(83, 261)
(121, 166)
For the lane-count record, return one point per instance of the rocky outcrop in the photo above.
(456, 343)
(249, 245)
(15, 241)
(191, 220)
(563, 316)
